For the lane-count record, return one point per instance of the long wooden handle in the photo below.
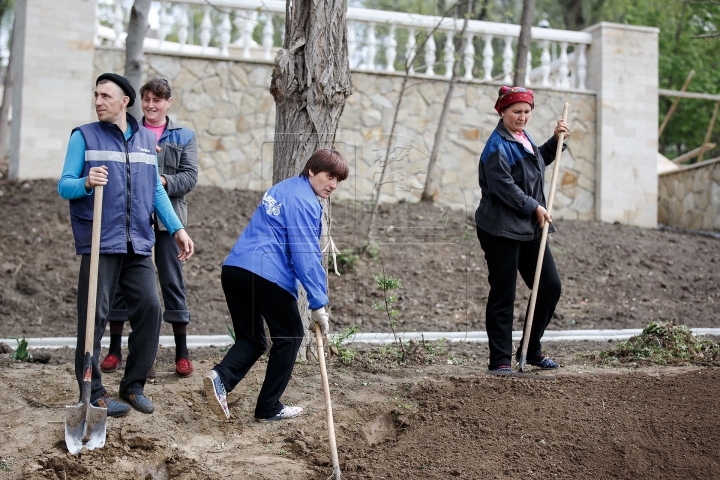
(93, 278)
(541, 252)
(328, 403)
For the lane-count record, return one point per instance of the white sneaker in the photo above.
(285, 413)
(216, 394)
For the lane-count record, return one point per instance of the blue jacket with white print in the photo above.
(282, 241)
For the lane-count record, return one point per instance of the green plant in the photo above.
(232, 335)
(337, 340)
(372, 250)
(21, 352)
(346, 260)
(388, 284)
(4, 465)
(664, 343)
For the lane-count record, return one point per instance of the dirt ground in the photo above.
(436, 416)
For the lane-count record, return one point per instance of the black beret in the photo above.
(121, 82)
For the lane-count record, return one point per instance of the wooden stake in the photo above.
(675, 103)
(709, 130)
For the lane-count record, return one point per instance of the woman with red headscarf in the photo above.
(509, 223)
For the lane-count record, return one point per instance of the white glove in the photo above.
(321, 317)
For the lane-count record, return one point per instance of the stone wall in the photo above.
(228, 104)
(689, 197)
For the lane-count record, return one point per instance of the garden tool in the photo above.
(328, 404)
(541, 254)
(85, 424)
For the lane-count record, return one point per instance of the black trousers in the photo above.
(172, 285)
(134, 275)
(505, 258)
(250, 298)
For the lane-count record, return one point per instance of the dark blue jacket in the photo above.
(129, 196)
(511, 180)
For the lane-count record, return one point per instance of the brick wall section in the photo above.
(624, 64)
(52, 83)
(689, 198)
(228, 104)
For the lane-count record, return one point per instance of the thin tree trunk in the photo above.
(310, 83)
(379, 184)
(134, 54)
(526, 23)
(6, 102)
(432, 189)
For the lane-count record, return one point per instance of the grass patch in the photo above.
(663, 343)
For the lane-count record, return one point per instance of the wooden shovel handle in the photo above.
(93, 277)
(328, 403)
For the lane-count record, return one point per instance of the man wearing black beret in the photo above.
(119, 154)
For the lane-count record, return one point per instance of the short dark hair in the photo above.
(327, 160)
(158, 87)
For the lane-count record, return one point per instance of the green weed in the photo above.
(664, 343)
(346, 260)
(21, 352)
(338, 340)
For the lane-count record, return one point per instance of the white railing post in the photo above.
(430, 49)
(449, 53)
(205, 27)
(469, 56)
(119, 23)
(410, 50)
(163, 26)
(96, 40)
(391, 50)
(247, 31)
(545, 64)
(488, 54)
(563, 70)
(581, 66)
(528, 67)
(268, 34)
(183, 25)
(351, 42)
(507, 60)
(371, 47)
(225, 29)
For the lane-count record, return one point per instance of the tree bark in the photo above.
(134, 53)
(572, 14)
(432, 189)
(310, 84)
(526, 23)
(6, 102)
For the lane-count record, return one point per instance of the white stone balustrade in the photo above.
(372, 41)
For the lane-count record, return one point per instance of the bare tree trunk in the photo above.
(310, 83)
(6, 102)
(526, 23)
(432, 190)
(134, 54)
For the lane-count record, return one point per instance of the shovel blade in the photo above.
(75, 427)
(86, 424)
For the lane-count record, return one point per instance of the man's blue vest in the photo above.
(128, 197)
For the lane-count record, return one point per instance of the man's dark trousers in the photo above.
(134, 275)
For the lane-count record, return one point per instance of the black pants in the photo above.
(172, 285)
(506, 257)
(134, 275)
(250, 298)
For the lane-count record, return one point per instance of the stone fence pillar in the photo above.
(623, 60)
(52, 82)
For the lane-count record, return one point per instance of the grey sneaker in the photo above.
(285, 413)
(216, 395)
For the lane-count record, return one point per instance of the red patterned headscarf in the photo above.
(509, 95)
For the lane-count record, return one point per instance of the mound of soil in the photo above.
(434, 416)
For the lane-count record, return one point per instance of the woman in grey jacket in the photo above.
(509, 223)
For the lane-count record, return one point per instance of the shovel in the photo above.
(541, 256)
(84, 421)
(328, 405)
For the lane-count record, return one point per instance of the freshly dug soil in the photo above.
(433, 416)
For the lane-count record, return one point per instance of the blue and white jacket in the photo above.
(131, 194)
(511, 180)
(282, 241)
